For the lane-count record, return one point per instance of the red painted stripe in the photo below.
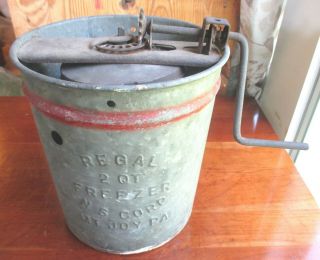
(120, 120)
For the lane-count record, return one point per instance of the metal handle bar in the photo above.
(239, 105)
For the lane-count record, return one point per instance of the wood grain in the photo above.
(6, 39)
(29, 14)
(251, 203)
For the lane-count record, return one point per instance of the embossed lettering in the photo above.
(101, 159)
(91, 191)
(164, 217)
(106, 194)
(153, 191)
(111, 225)
(125, 195)
(132, 178)
(136, 223)
(138, 194)
(139, 161)
(95, 221)
(164, 172)
(124, 214)
(103, 212)
(89, 220)
(158, 220)
(124, 226)
(161, 201)
(86, 161)
(165, 187)
(136, 177)
(152, 221)
(104, 178)
(151, 207)
(151, 162)
(121, 194)
(77, 186)
(123, 178)
(85, 218)
(121, 159)
(84, 203)
(137, 213)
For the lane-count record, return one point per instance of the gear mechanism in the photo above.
(128, 43)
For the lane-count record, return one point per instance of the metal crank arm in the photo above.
(239, 106)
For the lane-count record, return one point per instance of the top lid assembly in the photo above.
(203, 47)
(132, 58)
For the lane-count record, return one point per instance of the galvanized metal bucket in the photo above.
(125, 159)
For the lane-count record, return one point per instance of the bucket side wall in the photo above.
(126, 191)
(139, 100)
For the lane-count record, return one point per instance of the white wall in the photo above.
(307, 162)
(294, 51)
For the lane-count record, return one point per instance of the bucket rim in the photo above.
(26, 71)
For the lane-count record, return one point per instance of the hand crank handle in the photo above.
(239, 105)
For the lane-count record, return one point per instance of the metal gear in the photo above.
(123, 44)
(142, 23)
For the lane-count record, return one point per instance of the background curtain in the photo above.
(260, 22)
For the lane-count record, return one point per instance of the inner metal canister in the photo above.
(125, 159)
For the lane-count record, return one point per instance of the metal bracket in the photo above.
(215, 33)
(212, 36)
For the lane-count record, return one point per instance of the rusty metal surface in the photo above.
(78, 50)
(215, 32)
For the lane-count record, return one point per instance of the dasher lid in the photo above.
(120, 74)
(158, 51)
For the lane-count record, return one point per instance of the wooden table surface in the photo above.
(251, 202)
